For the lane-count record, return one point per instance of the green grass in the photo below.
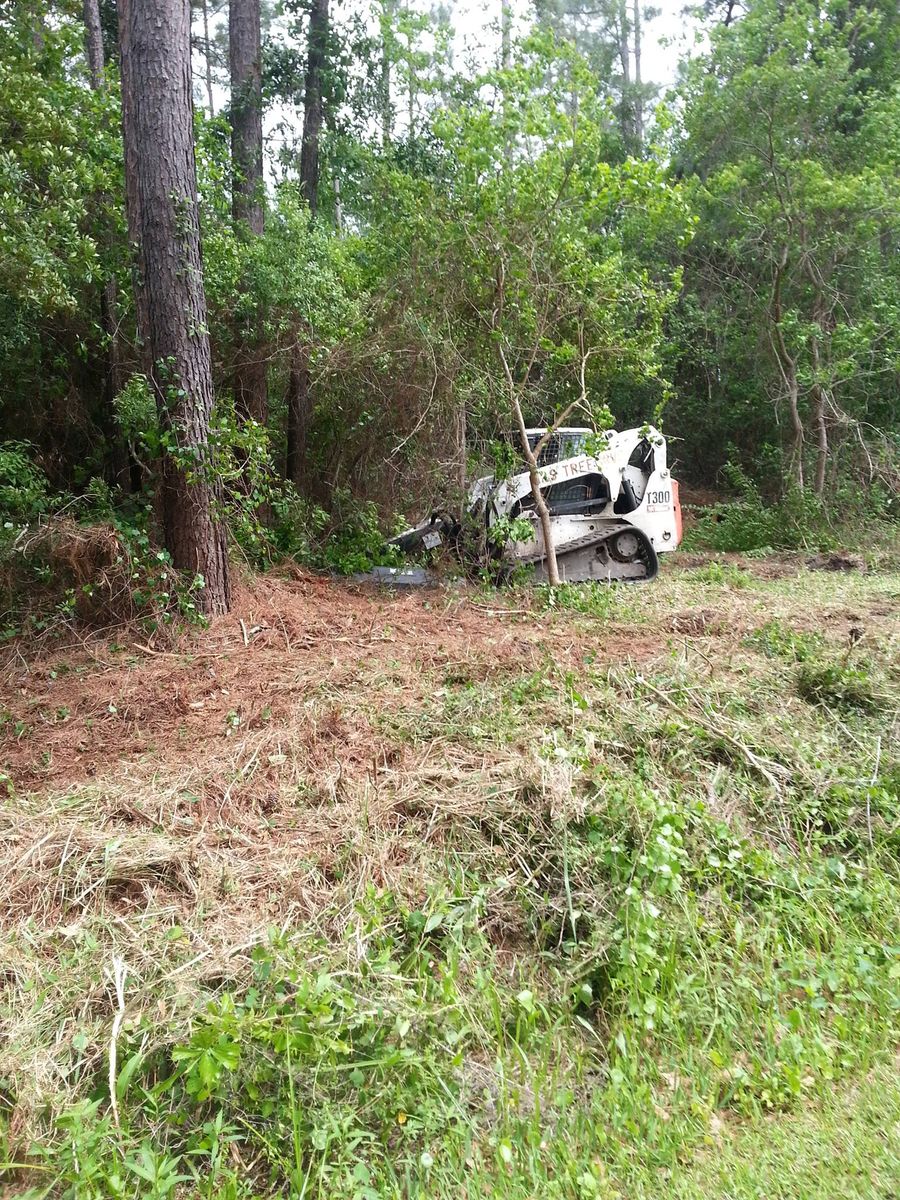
(847, 1144)
(623, 930)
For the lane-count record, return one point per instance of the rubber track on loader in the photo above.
(650, 558)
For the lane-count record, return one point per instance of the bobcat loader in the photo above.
(613, 506)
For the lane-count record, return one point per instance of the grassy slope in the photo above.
(600, 900)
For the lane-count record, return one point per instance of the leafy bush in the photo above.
(86, 559)
(24, 490)
(748, 522)
(99, 573)
(353, 540)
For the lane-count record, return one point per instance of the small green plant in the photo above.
(507, 530)
(136, 415)
(600, 600)
(24, 490)
(841, 685)
(721, 573)
(776, 641)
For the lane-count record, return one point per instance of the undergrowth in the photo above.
(635, 907)
(95, 560)
(748, 523)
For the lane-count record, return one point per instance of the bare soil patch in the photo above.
(72, 714)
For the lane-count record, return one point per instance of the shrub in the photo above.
(24, 490)
(747, 523)
(96, 574)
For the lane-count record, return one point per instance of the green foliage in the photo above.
(506, 530)
(82, 559)
(24, 488)
(348, 540)
(135, 412)
(798, 521)
(599, 600)
(722, 573)
(354, 540)
(697, 875)
(842, 685)
(776, 641)
(791, 297)
(61, 234)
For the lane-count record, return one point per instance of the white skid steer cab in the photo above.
(612, 502)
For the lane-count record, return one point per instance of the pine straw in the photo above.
(91, 581)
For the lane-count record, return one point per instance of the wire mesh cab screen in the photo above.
(565, 443)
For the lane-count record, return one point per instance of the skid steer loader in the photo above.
(613, 506)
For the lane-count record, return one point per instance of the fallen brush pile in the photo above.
(361, 896)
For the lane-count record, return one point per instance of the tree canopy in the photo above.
(429, 242)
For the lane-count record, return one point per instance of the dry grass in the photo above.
(175, 840)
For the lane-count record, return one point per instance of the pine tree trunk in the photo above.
(245, 61)
(207, 55)
(638, 98)
(384, 83)
(506, 63)
(113, 380)
(159, 159)
(313, 107)
(625, 60)
(93, 42)
(298, 404)
(247, 198)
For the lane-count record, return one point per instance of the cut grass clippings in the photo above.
(612, 914)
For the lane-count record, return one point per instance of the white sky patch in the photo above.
(667, 38)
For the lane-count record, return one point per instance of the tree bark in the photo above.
(299, 411)
(247, 197)
(113, 379)
(638, 98)
(245, 62)
(155, 47)
(625, 60)
(787, 365)
(313, 106)
(412, 95)
(207, 57)
(384, 83)
(540, 504)
(505, 35)
(819, 399)
(93, 42)
(505, 64)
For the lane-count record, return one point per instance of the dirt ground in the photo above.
(76, 710)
